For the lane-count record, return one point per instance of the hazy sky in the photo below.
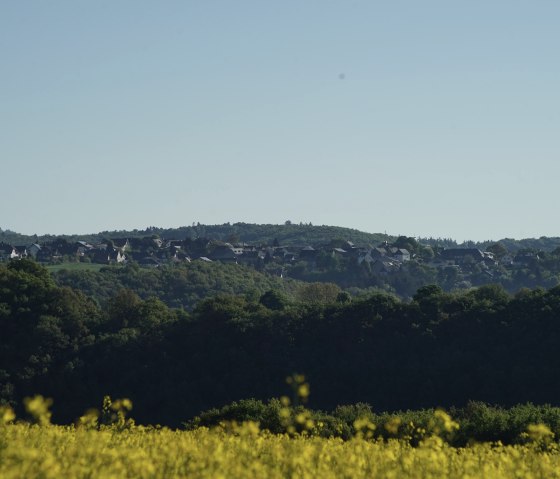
(424, 118)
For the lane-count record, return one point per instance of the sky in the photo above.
(425, 119)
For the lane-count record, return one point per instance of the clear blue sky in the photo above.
(431, 118)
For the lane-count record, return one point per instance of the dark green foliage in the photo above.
(343, 297)
(285, 234)
(478, 421)
(318, 293)
(177, 286)
(274, 300)
(440, 349)
(481, 422)
(266, 413)
(40, 325)
(407, 243)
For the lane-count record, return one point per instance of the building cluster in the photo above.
(150, 251)
(154, 252)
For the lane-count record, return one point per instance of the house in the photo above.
(108, 256)
(117, 256)
(82, 248)
(61, 247)
(21, 251)
(378, 252)
(147, 242)
(526, 258)
(308, 252)
(370, 255)
(366, 257)
(252, 257)
(174, 243)
(33, 249)
(402, 255)
(489, 259)
(8, 252)
(289, 257)
(123, 244)
(182, 256)
(384, 266)
(225, 254)
(100, 256)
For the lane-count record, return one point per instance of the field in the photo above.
(74, 267)
(54, 452)
(122, 450)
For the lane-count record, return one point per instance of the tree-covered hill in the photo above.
(543, 243)
(179, 286)
(439, 349)
(286, 234)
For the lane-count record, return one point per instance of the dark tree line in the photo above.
(440, 349)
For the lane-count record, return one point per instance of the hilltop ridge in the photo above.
(287, 234)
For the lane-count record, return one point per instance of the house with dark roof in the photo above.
(251, 257)
(123, 244)
(366, 257)
(83, 247)
(384, 266)
(225, 254)
(378, 252)
(308, 252)
(526, 258)
(21, 251)
(33, 249)
(8, 252)
(402, 255)
(61, 247)
(100, 256)
(45, 254)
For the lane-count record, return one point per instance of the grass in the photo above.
(75, 267)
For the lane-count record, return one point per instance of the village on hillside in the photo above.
(154, 252)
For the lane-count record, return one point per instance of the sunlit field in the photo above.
(55, 452)
(74, 267)
(91, 449)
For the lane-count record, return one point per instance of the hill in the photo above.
(287, 234)
(181, 286)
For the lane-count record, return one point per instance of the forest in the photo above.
(438, 349)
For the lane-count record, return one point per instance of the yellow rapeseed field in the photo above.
(122, 450)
